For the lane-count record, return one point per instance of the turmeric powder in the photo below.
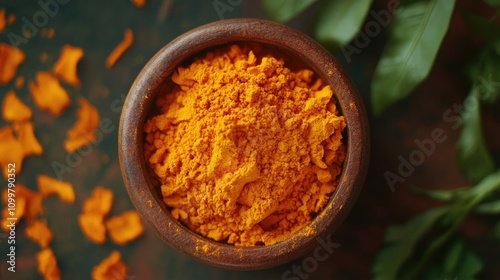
(246, 150)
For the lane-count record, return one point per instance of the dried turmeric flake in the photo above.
(19, 82)
(92, 225)
(26, 135)
(139, 3)
(10, 59)
(28, 204)
(65, 67)
(13, 109)
(125, 227)
(39, 232)
(48, 94)
(99, 202)
(3, 20)
(83, 131)
(242, 165)
(49, 186)
(11, 151)
(120, 48)
(47, 265)
(111, 267)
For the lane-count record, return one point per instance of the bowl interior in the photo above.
(140, 102)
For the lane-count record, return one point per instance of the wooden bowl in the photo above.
(140, 101)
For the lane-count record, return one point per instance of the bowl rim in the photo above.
(140, 100)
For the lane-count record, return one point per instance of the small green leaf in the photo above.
(485, 74)
(416, 35)
(452, 259)
(339, 21)
(469, 266)
(443, 195)
(488, 208)
(284, 10)
(401, 240)
(473, 156)
(492, 3)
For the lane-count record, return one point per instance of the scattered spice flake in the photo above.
(3, 20)
(51, 33)
(11, 19)
(28, 204)
(65, 67)
(120, 48)
(26, 135)
(11, 151)
(47, 264)
(92, 225)
(19, 82)
(10, 58)
(13, 109)
(125, 227)
(111, 267)
(39, 232)
(43, 57)
(139, 3)
(99, 202)
(49, 186)
(83, 131)
(48, 94)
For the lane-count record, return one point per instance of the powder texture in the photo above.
(246, 150)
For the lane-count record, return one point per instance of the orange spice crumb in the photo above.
(120, 48)
(11, 151)
(10, 59)
(65, 67)
(48, 93)
(3, 20)
(95, 208)
(125, 227)
(83, 131)
(26, 136)
(49, 186)
(111, 267)
(11, 19)
(47, 265)
(139, 3)
(13, 109)
(39, 232)
(19, 82)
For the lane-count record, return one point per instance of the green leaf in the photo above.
(485, 74)
(470, 265)
(473, 156)
(401, 240)
(492, 3)
(339, 21)
(415, 37)
(488, 208)
(443, 195)
(284, 10)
